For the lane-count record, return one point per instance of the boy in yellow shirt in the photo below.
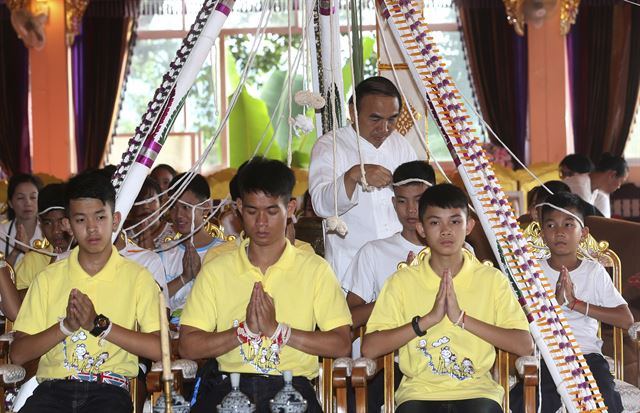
(80, 314)
(256, 308)
(446, 316)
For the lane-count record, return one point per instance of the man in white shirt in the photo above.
(369, 214)
(595, 187)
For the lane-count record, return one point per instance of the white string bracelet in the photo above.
(586, 313)
(102, 337)
(460, 321)
(64, 328)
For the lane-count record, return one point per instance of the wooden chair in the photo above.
(332, 383)
(599, 251)
(504, 368)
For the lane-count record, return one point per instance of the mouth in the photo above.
(446, 243)
(412, 220)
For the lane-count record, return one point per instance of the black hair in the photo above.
(443, 196)
(94, 185)
(149, 188)
(16, 180)
(166, 167)
(554, 186)
(564, 200)
(414, 170)
(577, 163)
(198, 185)
(234, 190)
(108, 171)
(269, 176)
(375, 85)
(609, 162)
(52, 195)
(531, 195)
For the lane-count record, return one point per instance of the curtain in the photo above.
(604, 66)
(497, 59)
(14, 94)
(99, 56)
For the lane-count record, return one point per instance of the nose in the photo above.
(261, 219)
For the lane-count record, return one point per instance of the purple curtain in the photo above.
(98, 57)
(14, 95)
(497, 59)
(604, 65)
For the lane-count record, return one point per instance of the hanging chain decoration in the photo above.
(547, 322)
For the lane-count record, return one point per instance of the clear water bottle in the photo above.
(236, 401)
(288, 400)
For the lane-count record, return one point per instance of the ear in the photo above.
(239, 205)
(291, 207)
(393, 201)
(352, 114)
(420, 229)
(470, 224)
(116, 220)
(584, 232)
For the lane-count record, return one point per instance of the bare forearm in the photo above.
(11, 300)
(145, 345)
(197, 344)
(13, 257)
(27, 347)
(379, 343)
(334, 343)
(175, 285)
(616, 316)
(512, 340)
(361, 313)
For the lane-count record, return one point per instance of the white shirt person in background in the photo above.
(369, 215)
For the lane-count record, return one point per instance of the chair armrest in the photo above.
(633, 331)
(345, 363)
(188, 368)
(525, 362)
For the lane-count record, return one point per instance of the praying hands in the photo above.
(261, 312)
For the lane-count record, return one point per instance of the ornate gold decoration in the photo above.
(405, 122)
(516, 14)
(212, 229)
(74, 11)
(568, 15)
(41, 244)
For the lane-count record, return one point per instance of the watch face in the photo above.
(102, 322)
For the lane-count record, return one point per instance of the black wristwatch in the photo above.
(100, 324)
(416, 326)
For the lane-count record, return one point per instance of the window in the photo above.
(632, 148)
(163, 24)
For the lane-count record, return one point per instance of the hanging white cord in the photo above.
(182, 184)
(289, 82)
(7, 238)
(363, 173)
(421, 134)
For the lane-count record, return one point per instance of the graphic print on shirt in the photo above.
(81, 361)
(263, 355)
(447, 361)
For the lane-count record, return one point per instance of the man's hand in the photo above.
(21, 235)
(70, 321)
(266, 312)
(82, 309)
(440, 305)
(453, 309)
(567, 286)
(377, 176)
(251, 317)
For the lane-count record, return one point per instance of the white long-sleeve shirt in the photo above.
(368, 215)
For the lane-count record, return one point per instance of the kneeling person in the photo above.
(432, 313)
(256, 308)
(80, 314)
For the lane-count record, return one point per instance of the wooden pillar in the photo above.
(550, 128)
(52, 140)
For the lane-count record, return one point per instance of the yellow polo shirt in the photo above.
(232, 245)
(32, 263)
(123, 291)
(448, 363)
(305, 292)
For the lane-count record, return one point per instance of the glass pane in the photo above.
(632, 149)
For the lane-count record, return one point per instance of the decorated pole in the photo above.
(167, 102)
(547, 322)
(167, 377)
(326, 71)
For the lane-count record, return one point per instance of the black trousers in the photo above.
(69, 396)
(452, 406)
(260, 389)
(551, 399)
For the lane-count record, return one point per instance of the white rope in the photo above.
(178, 187)
(363, 173)
(421, 134)
(563, 210)
(631, 2)
(8, 238)
(413, 181)
(289, 79)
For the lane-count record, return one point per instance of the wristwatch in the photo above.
(100, 324)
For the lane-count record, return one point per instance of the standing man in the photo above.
(369, 214)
